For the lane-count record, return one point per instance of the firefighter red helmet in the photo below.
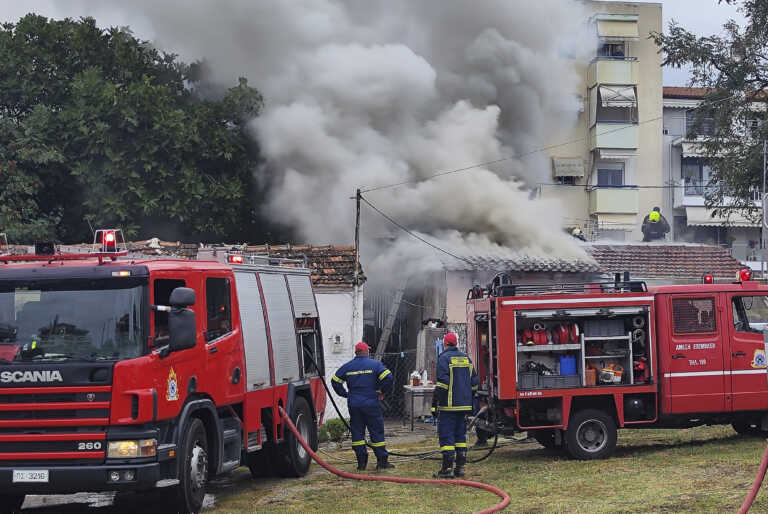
(450, 339)
(361, 347)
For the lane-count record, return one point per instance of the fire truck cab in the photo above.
(132, 374)
(571, 363)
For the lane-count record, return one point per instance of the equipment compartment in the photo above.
(602, 346)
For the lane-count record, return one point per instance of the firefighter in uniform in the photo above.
(454, 391)
(655, 226)
(365, 378)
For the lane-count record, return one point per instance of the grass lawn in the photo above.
(706, 469)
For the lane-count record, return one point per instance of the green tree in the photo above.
(99, 127)
(729, 125)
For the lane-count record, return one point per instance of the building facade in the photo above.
(617, 143)
(687, 171)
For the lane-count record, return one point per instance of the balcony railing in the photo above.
(622, 135)
(613, 200)
(692, 192)
(613, 70)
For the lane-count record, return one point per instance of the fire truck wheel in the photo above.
(194, 468)
(293, 460)
(11, 503)
(591, 435)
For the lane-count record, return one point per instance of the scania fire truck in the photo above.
(121, 373)
(571, 363)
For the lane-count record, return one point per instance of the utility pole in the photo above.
(358, 196)
(356, 288)
(763, 225)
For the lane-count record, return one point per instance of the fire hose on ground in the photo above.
(397, 480)
(756, 484)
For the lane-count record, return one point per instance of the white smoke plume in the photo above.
(363, 94)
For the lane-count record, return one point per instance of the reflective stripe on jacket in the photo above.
(456, 381)
(364, 377)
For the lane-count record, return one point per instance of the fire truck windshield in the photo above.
(60, 320)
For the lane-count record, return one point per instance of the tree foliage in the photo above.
(100, 128)
(733, 67)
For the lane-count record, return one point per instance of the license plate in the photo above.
(30, 475)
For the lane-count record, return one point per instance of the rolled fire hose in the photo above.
(638, 322)
(756, 485)
(538, 326)
(398, 480)
(638, 335)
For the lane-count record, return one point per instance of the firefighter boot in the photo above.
(383, 463)
(461, 460)
(447, 470)
(362, 461)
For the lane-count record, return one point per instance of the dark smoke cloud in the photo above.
(363, 94)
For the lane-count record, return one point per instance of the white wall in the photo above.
(336, 320)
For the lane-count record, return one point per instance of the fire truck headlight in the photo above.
(132, 449)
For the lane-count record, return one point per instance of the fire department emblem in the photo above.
(90, 397)
(172, 391)
(759, 360)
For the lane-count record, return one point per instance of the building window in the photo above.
(697, 125)
(693, 315)
(613, 49)
(610, 175)
(219, 308)
(565, 180)
(695, 175)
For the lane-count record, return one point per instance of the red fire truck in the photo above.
(571, 363)
(131, 374)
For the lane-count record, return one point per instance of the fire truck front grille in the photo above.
(54, 414)
(54, 397)
(55, 426)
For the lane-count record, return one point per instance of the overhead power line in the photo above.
(412, 234)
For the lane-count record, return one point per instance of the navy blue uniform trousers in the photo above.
(371, 417)
(452, 431)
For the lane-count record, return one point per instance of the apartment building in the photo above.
(619, 145)
(687, 170)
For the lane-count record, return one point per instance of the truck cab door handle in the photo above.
(739, 354)
(678, 356)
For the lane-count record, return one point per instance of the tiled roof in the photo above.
(697, 93)
(685, 92)
(331, 266)
(665, 260)
(507, 260)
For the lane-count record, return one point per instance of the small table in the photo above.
(423, 391)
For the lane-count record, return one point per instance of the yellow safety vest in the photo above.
(654, 217)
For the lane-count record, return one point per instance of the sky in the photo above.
(703, 17)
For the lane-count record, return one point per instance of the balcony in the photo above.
(613, 200)
(611, 70)
(691, 193)
(613, 134)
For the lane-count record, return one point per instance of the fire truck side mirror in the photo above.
(182, 330)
